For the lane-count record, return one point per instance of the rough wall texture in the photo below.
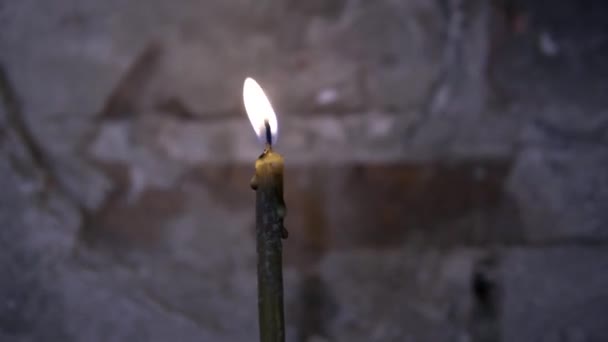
(445, 169)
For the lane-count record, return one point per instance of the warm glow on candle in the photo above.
(259, 110)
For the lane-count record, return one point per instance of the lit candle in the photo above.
(270, 212)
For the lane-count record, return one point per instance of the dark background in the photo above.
(446, 169)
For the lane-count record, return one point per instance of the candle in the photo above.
(270, 212)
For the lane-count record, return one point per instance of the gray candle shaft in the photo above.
(270, 212)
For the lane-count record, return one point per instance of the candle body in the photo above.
(270, 212)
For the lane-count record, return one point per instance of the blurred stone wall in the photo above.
(445, 169)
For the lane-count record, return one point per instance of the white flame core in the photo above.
(259, 110)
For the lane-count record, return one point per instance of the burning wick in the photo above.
(269, 214)
(268, 133)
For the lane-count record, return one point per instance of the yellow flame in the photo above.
(259, 109)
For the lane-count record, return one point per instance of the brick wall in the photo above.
(444, 172)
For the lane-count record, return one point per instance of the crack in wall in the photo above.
(485, 313)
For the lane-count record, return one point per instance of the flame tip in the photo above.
(260, 111)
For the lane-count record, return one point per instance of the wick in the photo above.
(268, 133)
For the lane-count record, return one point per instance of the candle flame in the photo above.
(260, 111)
